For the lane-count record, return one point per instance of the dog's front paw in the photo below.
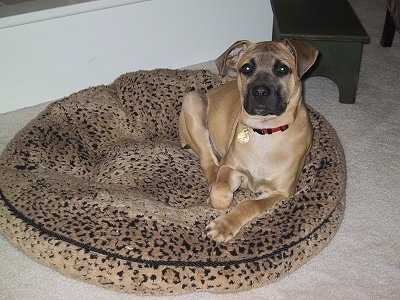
(222, 230)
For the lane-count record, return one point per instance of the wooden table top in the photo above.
(333, 20)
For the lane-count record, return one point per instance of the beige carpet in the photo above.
(362, 262)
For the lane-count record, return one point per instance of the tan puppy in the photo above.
(252, 133)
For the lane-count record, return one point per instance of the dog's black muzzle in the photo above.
(263, 100)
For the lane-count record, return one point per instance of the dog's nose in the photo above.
(261, 92)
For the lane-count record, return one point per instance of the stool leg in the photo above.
(389, 30)
(348, 88)
(347, 79)
(340, 62)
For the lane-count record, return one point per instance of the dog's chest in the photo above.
(254, 148)
(258, 159)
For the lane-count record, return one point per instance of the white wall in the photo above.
(50, 59)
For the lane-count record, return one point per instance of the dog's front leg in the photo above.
(226, 227)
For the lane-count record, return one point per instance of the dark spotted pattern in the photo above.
(98, 188)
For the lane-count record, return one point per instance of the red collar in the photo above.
(271, 130)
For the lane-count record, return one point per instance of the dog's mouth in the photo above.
(259, 111)
(273, 109)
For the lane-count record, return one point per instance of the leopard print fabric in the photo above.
(98, 188)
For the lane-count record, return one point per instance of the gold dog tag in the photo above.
(243, 136)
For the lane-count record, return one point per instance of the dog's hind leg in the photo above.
(193, 132)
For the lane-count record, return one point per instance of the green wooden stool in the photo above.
(334, 29)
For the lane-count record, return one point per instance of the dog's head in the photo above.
(268, 75)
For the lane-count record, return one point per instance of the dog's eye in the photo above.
(246, 69)
(282, 70)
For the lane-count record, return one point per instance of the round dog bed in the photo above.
(98, 188)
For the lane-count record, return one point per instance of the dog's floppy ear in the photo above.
(231, 56)
(305, 55)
